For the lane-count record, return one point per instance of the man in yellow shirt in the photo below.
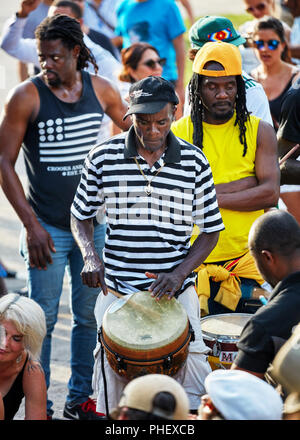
(242, 152)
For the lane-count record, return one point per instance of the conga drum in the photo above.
(143, 336)
(221, 334)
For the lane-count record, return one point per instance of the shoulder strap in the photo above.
(94, 7)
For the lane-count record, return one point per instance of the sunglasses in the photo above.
(259, 7)
(152, 63)
(272, 44)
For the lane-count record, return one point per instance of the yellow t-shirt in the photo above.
(224, 153)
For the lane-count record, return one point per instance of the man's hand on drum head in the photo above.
(92, 273)
(164, 284)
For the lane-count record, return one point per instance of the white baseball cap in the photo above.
(239, 395)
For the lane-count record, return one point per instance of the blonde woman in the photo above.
(21, 375)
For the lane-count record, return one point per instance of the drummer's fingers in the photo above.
(90, 279)
(171, 294)
(151, 275)
(156, 286)
(97, 280)
(94, 279)
(162, 281)
(86, 279)
(161, 289)
(83, 278)
(167, 291)
(101, 283)
(162, 293)
(158, 295)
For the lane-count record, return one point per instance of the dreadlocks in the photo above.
(68, 30)
(242, 113)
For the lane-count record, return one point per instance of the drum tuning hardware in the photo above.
(192, 333)
(167, 363)
(221, 366)
(216, 350)
(121, 364)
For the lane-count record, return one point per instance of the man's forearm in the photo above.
(260, 197)
(92, 273)
(13, 43)
(236, 185)
(14, 192)
(245, 195)
(169, 283)
(83, 233)
(199, 251)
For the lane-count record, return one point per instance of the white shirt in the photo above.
(295, 36)
(25, 50)
(107, 10)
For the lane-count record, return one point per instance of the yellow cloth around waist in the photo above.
(229, 275)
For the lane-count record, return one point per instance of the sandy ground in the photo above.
(10, 225)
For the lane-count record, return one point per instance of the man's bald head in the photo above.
(276, 231)
(66, 7)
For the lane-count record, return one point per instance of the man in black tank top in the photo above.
(56, 116)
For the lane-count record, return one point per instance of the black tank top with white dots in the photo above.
(55, 146)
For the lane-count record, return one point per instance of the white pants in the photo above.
(191, 376)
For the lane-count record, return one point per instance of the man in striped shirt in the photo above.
(155, 186)
(55, 117)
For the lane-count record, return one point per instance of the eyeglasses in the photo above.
(152, 63)
(272, 44)
(259, 7)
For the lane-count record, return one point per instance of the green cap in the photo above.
(212, 28)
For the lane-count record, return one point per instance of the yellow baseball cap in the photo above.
(226, 54)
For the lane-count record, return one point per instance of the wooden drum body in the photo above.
(143, 336)
(221, 334)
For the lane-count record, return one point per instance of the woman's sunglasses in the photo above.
(152, 63)
(259, 7)
(272, 44)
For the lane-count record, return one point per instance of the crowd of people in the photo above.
(138, 182)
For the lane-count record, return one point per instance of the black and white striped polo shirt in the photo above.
(147, 233)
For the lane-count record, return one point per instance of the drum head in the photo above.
(142, 323)
(224, 327)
